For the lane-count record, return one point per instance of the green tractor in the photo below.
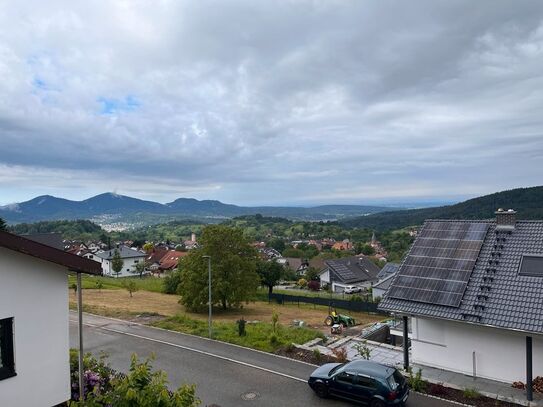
(335, 318)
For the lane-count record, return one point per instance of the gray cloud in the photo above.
(266, 102)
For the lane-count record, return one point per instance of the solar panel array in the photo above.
(343, 271)
(440, 263)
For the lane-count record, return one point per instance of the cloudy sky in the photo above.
(261, 102)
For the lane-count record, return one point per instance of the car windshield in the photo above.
(395, 379)
(335, 369)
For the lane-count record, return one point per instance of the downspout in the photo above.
(80, 332)
(405, 344)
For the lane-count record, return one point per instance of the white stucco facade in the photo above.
(34, 293)
(499, 354)
(129, 265)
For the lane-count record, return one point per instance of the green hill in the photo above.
(528, 202)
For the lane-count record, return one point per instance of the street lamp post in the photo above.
(209, 290)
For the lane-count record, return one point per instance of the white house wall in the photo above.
(499, 354)
(129, 266)
(35, 293)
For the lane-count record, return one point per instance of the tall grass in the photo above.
(258, 335)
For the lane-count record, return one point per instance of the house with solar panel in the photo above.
(473, 291)
(349, 271)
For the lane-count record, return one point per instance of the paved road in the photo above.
(222, 372)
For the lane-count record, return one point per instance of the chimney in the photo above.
(506, 220)
(193, 237)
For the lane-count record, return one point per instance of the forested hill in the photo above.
(75, 229)
(528, 202)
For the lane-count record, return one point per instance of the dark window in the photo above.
(531, 266)
(7, 357)
(345, 377)
(366, 382)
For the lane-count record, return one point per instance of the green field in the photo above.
(92, 282)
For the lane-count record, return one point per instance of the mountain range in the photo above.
(121, 208)
(527, 202)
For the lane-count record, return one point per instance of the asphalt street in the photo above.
(225, 375)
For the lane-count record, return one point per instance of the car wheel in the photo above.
(321, 390)
(377, 403)
(329, 321)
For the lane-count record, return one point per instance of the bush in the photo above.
(314, 285)
(317, 354)
(275, 320)
(302, 283)
(171, 282)
(363, 350)
(274, 340)
(140, 387)
(416, 382)
(471, 393)
(340, 354)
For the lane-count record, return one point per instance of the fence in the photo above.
(351, 305)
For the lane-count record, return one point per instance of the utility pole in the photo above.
(209, 291)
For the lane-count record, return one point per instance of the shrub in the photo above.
(437, 389)
(140, 387)
(171, 282)
(317, 354)
(416, 382)
(340, 354)
(275, 320)
(364, 351)
(274, 340)
(302, 283)
(314, 285)
(471, 393)
(241, 326)
(131, 287)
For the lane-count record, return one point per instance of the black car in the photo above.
(361, 381)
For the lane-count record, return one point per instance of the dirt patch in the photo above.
(118, 303)
(458, 396)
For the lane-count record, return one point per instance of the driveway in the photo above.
(225, 375)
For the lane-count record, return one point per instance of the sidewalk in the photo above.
(489, 388)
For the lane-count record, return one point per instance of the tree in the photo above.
(131, 287)
(293, 252)
(117, 263)
(367, 250)
(148, 247)
(270, 273)
(277, 244)
(140, 268)
(233, 263)
(3, 225)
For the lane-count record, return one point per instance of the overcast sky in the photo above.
(270, 102)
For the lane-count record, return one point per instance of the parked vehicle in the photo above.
(351, 289)
(361, 381)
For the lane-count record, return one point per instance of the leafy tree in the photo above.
(233, 262)
(367, 250)
(313, 285)
(131, 287)
(293, 252)
(140, 268)
(3, 225)
(277, 244)
(117, 262)
(312, 274)
(148, 247)
(171, 282)
(270, 273)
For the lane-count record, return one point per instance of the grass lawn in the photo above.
(258, 335)
(118, 303)
(146, 283)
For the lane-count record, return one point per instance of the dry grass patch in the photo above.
(118, 303)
